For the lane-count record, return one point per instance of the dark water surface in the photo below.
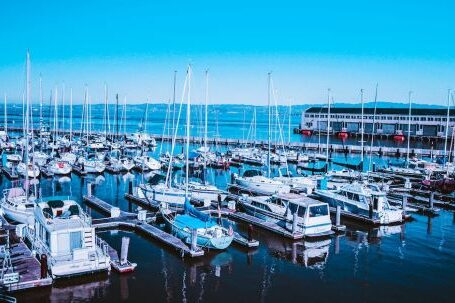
(413, 262)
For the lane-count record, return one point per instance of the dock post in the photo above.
(404, 203)
(124, 251)
(89, 189)
(294, 222)
(250, 232)
(194, 239)
(338, 216)
(431, 199)
(130, 187)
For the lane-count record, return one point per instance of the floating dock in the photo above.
(128, 220)
(25, 272)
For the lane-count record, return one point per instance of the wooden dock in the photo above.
(24, 264)
(129, 220)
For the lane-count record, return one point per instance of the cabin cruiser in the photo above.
(210, 235)
(17, 206)
(64, 233)
(301, 183)
(362, 199)
(313, 217)
(124, 163)
(254, 180)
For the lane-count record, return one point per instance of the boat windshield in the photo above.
(297, 208)
(319, 211)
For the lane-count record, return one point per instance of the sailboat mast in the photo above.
(373, 128)
(116, 116)
(289, 121)
(188, 118)
(328, 125)
(173, 103)
(6, 115)
(40, 105)
(105, 111)
(206, 107)
(447, 127)
(269, 126)
(71, 115)
(28, 96)
(361, 127)
(409, 128)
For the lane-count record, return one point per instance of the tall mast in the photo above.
(328, 125)
(409, 128)
(28, 96)
(105, 111)
(71, 115)
(289, 121)
(188, 118)
(269, 133)
(55, 113)
(447, 126)
(173, 103)
(361, 127)
(40, 105)
(373, 129)
(116, 116)
(206, 106)
(5, 109)
(63, 107)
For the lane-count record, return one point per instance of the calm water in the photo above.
(413, 262)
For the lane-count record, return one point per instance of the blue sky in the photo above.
(134, 46)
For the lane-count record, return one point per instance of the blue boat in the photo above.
(210, 235)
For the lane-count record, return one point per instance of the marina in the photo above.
(239, 152)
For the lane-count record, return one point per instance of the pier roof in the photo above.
(382, 111)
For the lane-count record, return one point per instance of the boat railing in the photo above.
(102, 244)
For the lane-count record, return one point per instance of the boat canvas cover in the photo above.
(191, 222)
(196, 214)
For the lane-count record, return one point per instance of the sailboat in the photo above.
(16, 203)
(209, 234)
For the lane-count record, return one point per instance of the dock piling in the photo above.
(89, 189)
(338, 216)
(124, 251)
(194, 239)
(431, 200)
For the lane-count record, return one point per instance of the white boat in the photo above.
(160, 193)
(364, 200)
(147, 163)
(13, 157)
(203, 192)
(313, 217)
(92, 166)
(64, 233)
(32, 170)
(306, 184)
(40, 158)
(254, 180)
(59, 167)
(69, 157)
(16, 206)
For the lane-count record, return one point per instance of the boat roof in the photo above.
(58, 214)
(363, 189)
(191, 222)
(298, 199)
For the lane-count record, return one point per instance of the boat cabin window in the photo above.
(260, 205)
(297, 208)
(252, 173)
(318, 211)
(277, 201)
